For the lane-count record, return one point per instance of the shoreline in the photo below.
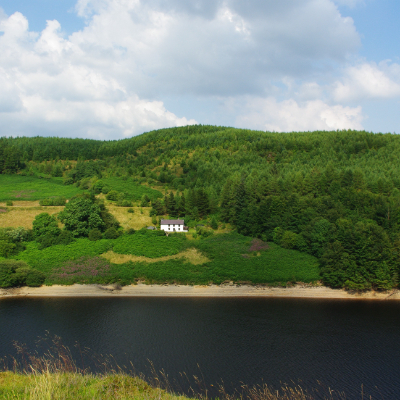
(226, 290)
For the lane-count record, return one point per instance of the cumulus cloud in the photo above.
(369, 80)
(289, 115)
(109, 79)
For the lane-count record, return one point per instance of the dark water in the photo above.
(343, 344)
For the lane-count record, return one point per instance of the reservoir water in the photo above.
(343, 344)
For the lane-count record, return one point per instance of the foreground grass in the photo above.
(71, 386)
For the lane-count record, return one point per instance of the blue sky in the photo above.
(110, 69)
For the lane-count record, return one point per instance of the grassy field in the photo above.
(138, 219)
(17, 187)
(230, 260)
(24, 216)
(161, 259)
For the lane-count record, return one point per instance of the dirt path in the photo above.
(142, 290)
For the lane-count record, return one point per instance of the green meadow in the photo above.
(18, 187)
(228, 257)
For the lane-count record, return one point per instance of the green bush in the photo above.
(65, 237)
(18, 273)
(214, 223)
(45, 224)
(46, 202)
(9, 203)
(105, 189)
(68, 181)
(56, 201)
(112, 195)
(20, 234)
(111, 233)
(95, 234)
(131, 210)
(34, 278)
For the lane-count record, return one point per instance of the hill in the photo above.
(333, 195)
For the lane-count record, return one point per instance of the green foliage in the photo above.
(131, 210)
(111, 233)
(45, 230)
(82, 214)
(18, 273)
(112, 195)
(51, 257)
(152, 244)
(9, 203)
(231, 260)
(55, 201)
(214, 223)
(95, 234)
(131, 189)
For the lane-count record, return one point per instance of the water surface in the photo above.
(342, 343)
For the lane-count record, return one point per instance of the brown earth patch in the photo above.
(22, 193)
(193, 256)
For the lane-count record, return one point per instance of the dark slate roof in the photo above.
(172, 222)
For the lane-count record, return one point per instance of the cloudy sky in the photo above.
(109, 69)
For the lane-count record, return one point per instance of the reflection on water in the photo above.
(344, 344)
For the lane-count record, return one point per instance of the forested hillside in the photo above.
(334, 195)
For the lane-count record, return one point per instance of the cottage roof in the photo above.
(172, 222)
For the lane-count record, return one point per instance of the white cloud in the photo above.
(289, 115)
(109, 79)
(369, 80)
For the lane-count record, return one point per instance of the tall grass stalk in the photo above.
(53, 374)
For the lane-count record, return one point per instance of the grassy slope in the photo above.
(17, 187)
(69, 386)
(230, 255)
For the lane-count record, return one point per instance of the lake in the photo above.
(343, 344)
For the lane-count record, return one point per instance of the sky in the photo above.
(112, 69)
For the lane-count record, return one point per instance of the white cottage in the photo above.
(173, 225)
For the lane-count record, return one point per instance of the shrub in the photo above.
(46, 202)
(105, 189)
(95, 234)
(56, 201)
(131, 210)
(65, 237)
(7, 276)
(45, 224)
(19, 234)
(214, 223)
(18, 273)
(9, 203)
(112, 195)
(111, 233)
(130, 231)
(34, 278)
(68, 181)
(59, 201)
(6, 248)
(83, 270)
(98, 186)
